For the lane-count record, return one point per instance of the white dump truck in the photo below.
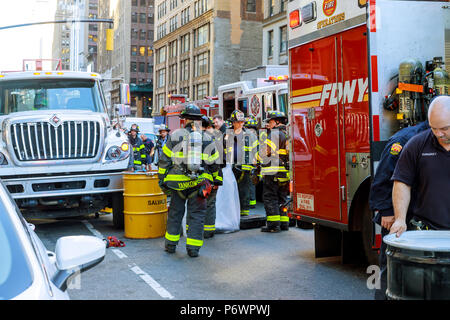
(59, 155)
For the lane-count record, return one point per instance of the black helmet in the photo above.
(277, 115)
(251, 123)
(134, 127)
(191, 112)
(206, 122)
(237, 115)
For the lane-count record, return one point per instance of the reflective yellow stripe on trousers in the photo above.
(194, 242)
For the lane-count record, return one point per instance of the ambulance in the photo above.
(358, 72)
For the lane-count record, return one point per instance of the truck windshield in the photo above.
(49, 94)
(282, 101)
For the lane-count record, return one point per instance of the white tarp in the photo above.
(228, 209)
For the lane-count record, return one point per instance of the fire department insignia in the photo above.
(396, 148)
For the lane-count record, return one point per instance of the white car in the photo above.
(27, 270)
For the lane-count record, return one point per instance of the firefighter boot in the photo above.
(193, 253)
(284, 226)
(170, 248)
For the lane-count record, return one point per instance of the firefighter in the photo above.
(252, 125)
(210, 219)
(187, 171)
(162, 139)
(380, 199)
(275, 171)
(139, 150)
(238, 149)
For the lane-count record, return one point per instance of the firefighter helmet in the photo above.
(277, 115)
(191, 112)
(206, 122)
(237, 115)
(163, 127)
(134, 127)
(251, 123)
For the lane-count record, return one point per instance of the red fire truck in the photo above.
(347, 60)
(209, 106)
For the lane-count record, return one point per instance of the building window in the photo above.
(201, 65)
(185, 91)
(200, 7)
(161, 55)
(143, 34)
(201, 90)
(142, 18)
(149, 51)
(271, 7)
(133, 67)
(143, 3)
(283, 5)
(161, 31)
(142, 67)
(185, 16)
(185, 43)
(283, 39)
(173, 4)
(133, 80)
(251, 5)
(134, 17)
(270, 43)
(134, 34)
(161, 76)
(184, 70)
(201, 35)
(134, 3)
(173, 74)
(160, 101)
(142, 51)
(134, 50)
(173, 49)
(162, 9)
(173, 23)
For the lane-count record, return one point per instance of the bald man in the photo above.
(425, 164)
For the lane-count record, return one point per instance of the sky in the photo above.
(31, 42)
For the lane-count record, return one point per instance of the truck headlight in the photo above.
(113, 153)
(116, 153)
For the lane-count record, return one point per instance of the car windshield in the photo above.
(15, 274)
(49, 94)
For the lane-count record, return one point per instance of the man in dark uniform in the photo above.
(187, 170)
(380, 199)
(219, 124)
(252, 125)
(425, 165)
(139, 152)
(162, 139)
(275, 172)
(210, 219)
(239, 152)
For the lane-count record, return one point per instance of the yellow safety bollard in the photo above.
(145, 206)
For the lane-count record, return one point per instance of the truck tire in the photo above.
(117, 210)
(368, 230)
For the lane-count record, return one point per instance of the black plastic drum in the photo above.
(418, 265)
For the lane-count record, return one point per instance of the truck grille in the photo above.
(34, 141)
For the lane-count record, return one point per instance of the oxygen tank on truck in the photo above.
(410, 110)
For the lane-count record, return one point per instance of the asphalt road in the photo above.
(244, 265)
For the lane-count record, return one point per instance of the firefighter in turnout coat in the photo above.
(238, 148)
(186, 168)
(274, 159)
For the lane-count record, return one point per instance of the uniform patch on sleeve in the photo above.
(396, 148)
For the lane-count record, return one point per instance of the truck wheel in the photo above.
(117, 210)
(368, 234)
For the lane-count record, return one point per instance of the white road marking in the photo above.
(133, 267)
(150, 281)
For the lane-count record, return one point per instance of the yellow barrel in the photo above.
(145, 206)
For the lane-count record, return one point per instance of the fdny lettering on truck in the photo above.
(330, 94)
